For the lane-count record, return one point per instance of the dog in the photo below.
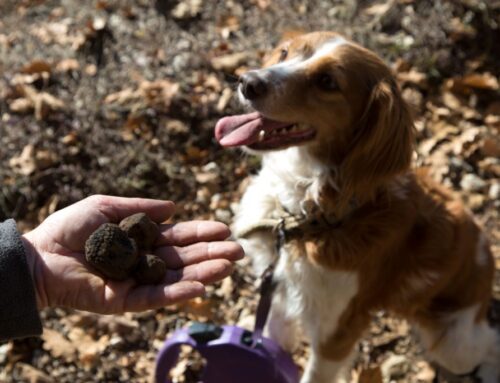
(362, 231)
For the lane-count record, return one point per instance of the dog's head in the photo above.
(330, 95)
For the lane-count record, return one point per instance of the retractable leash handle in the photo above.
(169, 354)
(231, 356)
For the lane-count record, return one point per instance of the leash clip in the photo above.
(281, 234)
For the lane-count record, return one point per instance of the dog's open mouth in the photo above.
(260, 133)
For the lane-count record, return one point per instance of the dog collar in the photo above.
(291, 226)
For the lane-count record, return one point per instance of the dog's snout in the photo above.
(252, 85)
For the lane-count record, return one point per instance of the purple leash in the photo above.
(233, 354)
(267, 288)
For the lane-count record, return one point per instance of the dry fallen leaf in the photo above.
(468, 142)
(48, 208)
(200, 308)
(490, 166)
(206, 177)
(36, 66)
(67, 65)
(173, 126)
(451, 101)
(474, 81)
(89, 350)
(460, 30)
(30, 160)
(226, 96)
(24, 163)
(426, 373)
(21, 105)
(413, 76)
(177, 372)
(157, 94)
(58, 32)
(187, 9)
(394, 367)
(42, 103)
(121, 97)
(228, 24)
(493, 122)
(57, 345)
(212, 83)
(262, 4)
(229, 62)
(30, 374)
(480, 81)
(226, 288)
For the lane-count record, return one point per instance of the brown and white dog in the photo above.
(336, 137)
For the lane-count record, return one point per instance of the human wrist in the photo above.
(33, 261)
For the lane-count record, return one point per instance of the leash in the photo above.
(287, 227)
(267, 286)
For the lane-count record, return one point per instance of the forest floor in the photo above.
(121, 97)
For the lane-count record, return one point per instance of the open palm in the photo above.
(195, 253)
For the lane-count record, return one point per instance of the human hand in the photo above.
(195, 253)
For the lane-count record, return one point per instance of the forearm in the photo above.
(18, 308)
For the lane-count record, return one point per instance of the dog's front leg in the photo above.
(257, 204)
(281, 326)
(333, 349)
(323, 370)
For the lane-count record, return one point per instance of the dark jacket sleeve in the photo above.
(18, 311)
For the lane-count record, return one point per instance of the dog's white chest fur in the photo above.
(314, 294)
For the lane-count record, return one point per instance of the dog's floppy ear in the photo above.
(382, 144)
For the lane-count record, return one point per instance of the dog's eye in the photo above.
(283, 54)
(326, 82)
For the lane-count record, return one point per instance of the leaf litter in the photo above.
(134, 90)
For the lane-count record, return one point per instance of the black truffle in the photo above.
(142, 229)
(150, 269)
(111, 252)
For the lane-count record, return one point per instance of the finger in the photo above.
(186, 233)
(117, 208)
(148, 297)
(204, 272)
(177, 257)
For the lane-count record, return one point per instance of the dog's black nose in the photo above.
(252, 85)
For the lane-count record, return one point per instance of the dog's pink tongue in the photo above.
(239, 130)
(244, 129)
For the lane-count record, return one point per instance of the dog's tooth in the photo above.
(262, 135)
